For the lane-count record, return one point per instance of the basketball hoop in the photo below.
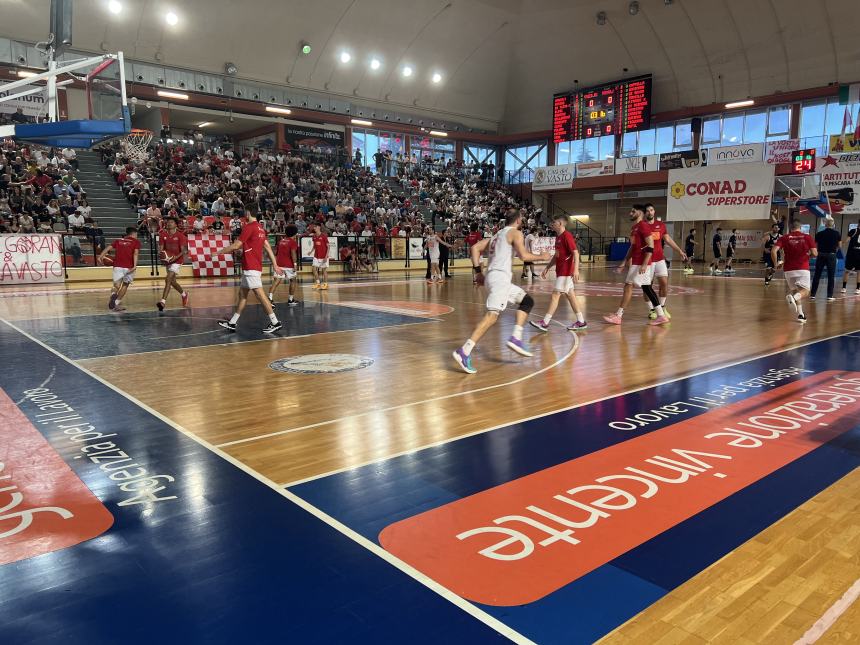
(792, 202)
(136, 143)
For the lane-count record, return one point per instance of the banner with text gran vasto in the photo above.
(25, 259)
(554, 177)
(726, 192)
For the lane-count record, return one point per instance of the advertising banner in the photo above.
(398, 248)
(416, 248)
(684, 159)
(32, 105)
(637, 164)
(840, 143)
(749, 153)
(727, 192)
(308, 137)
(780, 151)
(27, 259)
(746, 238)
(595, 168)
(840, 179)
(554, 177)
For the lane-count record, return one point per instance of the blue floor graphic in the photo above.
(390, 494)
(80, 337)
(221, 558)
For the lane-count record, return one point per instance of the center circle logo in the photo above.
(321, 363)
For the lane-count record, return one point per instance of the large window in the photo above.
(522, 161)
(585, 150)
(437, 149)
(369, 142)
(477, 153)
(753, 126)
(820, 119)
(665, 137)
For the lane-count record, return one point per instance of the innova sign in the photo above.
(749, 153)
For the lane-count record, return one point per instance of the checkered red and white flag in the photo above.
(201, 247)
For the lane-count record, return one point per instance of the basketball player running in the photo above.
(126, 251)
(320, 261)
(253, 242)
(641, 271)
(716, 243)
(174, 246)
(768, 242)
(661, 268)
(566, 262)
(287, 256)
(852, 260)
(796, 248)
(500, 286)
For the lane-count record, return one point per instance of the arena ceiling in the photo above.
(500, 60)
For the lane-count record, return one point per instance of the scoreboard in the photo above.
(803, 161)
(614, 108)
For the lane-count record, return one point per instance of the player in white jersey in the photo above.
(500, 286)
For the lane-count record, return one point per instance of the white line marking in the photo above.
(831, 615)
(41, 385)
(546, 414)
(444, 397)
(377, 550)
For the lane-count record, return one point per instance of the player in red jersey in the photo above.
(472, 239)
(253, 242)
(566, 262)
(796, 248)
(174, 246)
(641, 271)
(320, 261)
(287, 255)
(126, 251)
(661, 268)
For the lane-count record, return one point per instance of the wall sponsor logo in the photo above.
(637, 164)
(595, 168)
(781, 151)
(321, 363)
(554, 177)
(750, 153)
(840, 178)
(520, 541)
(729, 191)
(684, 159)
(44, 507)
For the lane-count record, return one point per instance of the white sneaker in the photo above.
(791, 302)
(718, 272)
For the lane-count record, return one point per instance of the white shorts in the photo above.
(121, 274)
(289, 274)
(320, 263)
(563, 284)
(639, 279)
(798, 279)
(502, 291)
(251, 280)
(434, 258)
(660, 269)
(174, 268)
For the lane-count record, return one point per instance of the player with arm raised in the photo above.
(499, 283)
(174, 247)
(566, 263)
(126, 251)
(253, 242)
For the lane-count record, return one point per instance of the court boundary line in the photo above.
(831, 615)
(442, 442)
(459, 602)
(525, 377)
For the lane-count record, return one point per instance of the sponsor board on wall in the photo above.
(840, 179)
(554, 177)
(840, 143)
(749, 153)
(780, 151)
(684, 159)
(305, 136)
(727, 192)
(746, 238)
(32, 105)
(27, 259)
(637, 164)
(595, 168)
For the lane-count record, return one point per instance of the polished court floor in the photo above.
(331, 494)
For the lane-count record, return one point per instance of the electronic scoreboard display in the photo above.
(613, 108)
(803, 161)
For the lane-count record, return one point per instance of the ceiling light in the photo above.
(407, 71)
(633, 8)
(204, 124)
(172, 95)
(278, 110)
(437, 77)
(306, 48)
(171, 18)
(114, 6)
(738, 104)
(375, 64)
(24, 74)
(345, 57)
(601, 18)
(438, 133)
(361, 122)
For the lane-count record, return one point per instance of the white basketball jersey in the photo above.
(501, 252)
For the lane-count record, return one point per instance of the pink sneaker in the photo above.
(577, 326)
(540, 325)
(659, 320)
(614, 319)
(185, 299)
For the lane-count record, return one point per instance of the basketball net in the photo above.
(136, 144)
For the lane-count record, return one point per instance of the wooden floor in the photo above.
(291, 428)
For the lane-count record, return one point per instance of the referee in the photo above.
(828, 240)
